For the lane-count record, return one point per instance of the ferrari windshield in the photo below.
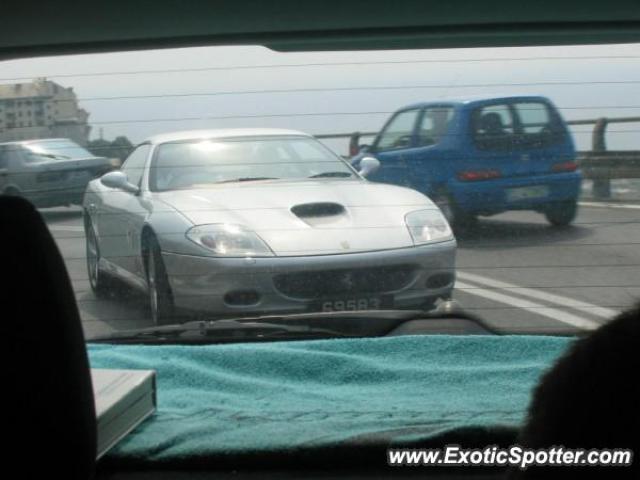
(204, 162)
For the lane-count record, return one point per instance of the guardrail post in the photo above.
(354, 144)
(601, 186)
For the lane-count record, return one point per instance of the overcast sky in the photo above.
(193, 85)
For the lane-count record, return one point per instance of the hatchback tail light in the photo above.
(569, 166)
(476, 175)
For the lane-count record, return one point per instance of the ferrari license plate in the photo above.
(526, 193)
(371, 302)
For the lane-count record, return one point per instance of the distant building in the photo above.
(41, 109)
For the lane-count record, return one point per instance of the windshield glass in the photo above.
(205, 162)
(503, 181)
(58, 149)
(322, 251)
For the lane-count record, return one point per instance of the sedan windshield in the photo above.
(206, 162)
(58, 149)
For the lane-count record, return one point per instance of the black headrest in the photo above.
(491, 123)
(50, 432)
(589, 400)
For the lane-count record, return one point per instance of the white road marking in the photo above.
(66, 228)
(537, 308)
(559, 300)
(628, 206)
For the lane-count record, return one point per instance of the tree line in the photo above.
(120, 147)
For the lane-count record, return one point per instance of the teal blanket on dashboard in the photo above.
(218, 400)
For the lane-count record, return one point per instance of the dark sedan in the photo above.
(50, 172)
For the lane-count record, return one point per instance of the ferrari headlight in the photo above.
(427, 226)
(229, 240)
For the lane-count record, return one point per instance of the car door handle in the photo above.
(92, 208)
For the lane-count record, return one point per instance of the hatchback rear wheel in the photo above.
(562, 213)
(457, 218)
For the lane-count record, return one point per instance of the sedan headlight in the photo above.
(427, 226)
(229, 240)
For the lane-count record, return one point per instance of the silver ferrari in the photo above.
(241, 222)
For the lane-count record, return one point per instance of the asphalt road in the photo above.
(514, 270)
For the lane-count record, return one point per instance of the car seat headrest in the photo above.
(491, 124)
(51, 430)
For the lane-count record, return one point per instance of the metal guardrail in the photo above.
(597, 164)
(609, 165)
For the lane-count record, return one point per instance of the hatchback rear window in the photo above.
(534, 117)
(538, 125)
(493, 127)
(522, 125)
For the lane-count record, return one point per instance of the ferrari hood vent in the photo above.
(316, 210)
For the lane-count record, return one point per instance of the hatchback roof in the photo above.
(473, 99)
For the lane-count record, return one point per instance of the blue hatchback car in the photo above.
(482, 156)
